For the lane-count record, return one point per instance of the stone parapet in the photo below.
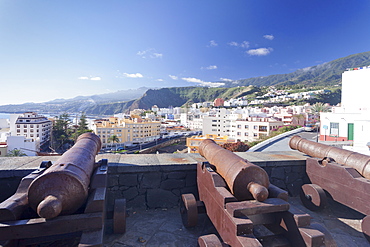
(157, 180)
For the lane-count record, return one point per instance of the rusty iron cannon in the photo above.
(62, 200)
(343, 174)
(244, 207)
(245, 180)
(63, 188)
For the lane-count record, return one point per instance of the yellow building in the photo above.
(127, 131)
(193, 142)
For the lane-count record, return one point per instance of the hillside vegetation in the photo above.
(325, 76)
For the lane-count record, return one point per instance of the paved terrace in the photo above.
(153, 183)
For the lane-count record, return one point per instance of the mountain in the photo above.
(326, 74)
(79, 103)
(178, 96)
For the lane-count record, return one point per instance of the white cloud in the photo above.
(83, 78)
(203, 83)
(244, 44)
(210, 67)
(96, 78)
(173, 77)
(159, 80)
(212, 43)
(269, 36)
(137, 75)
(149, 53)
(259, 51)
(225, 79)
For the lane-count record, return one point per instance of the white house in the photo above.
(351, 121)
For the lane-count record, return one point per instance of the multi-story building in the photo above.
(31, 125)
(236, 125)
(253, 128)
(128, 131)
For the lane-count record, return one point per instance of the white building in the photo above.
(31, 125)
(351, 121)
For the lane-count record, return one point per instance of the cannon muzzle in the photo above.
(63, 188)
(245, 180)
(357, 161)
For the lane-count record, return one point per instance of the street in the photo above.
(283, 144)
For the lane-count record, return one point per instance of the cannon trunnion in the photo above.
(247, 222)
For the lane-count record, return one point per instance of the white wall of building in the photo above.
(27, 146)
(355, 90)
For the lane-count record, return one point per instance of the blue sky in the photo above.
(62, 49)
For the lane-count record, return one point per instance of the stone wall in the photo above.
(158, 180)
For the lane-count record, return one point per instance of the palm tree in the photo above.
(319, 107)
(114, 139)
(16, 153)
(316, 109)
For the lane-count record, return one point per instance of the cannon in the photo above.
(342, 174)
(62, 200)
(244, 207)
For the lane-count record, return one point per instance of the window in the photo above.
(255, 127)
(239, 133)
(246, 126)
(334, 129)
(239, 126)
(245, 134)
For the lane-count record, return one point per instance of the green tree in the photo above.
(113, 138)
(16, 153)
(61, 132)
(82, 127)
(319, 107)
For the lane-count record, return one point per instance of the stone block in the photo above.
(128, 179)
(112, 180)
(279, 183)
(191, 179)
(151, 180)
(295, 187)
(138, 202)
(291, 177)
(299, 169)
(170, 184)
(159, 198)
(278, 172)
(176, 175)
(130, 194)
(177, 192)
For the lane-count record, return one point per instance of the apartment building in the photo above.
(237, 126)
(128, 131)
(253, 128)
(31, 125)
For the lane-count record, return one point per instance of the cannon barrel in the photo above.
(357, 161)
(245, 180)
(63, 188)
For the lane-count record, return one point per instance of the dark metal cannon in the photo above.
(244, 207)
(69, 196)
(245, 180)
(341, 173)
(63, 188)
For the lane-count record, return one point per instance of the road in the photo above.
(283, 144)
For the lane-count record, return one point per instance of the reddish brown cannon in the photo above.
(63, 188)
(245, 180)
(357, 161)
